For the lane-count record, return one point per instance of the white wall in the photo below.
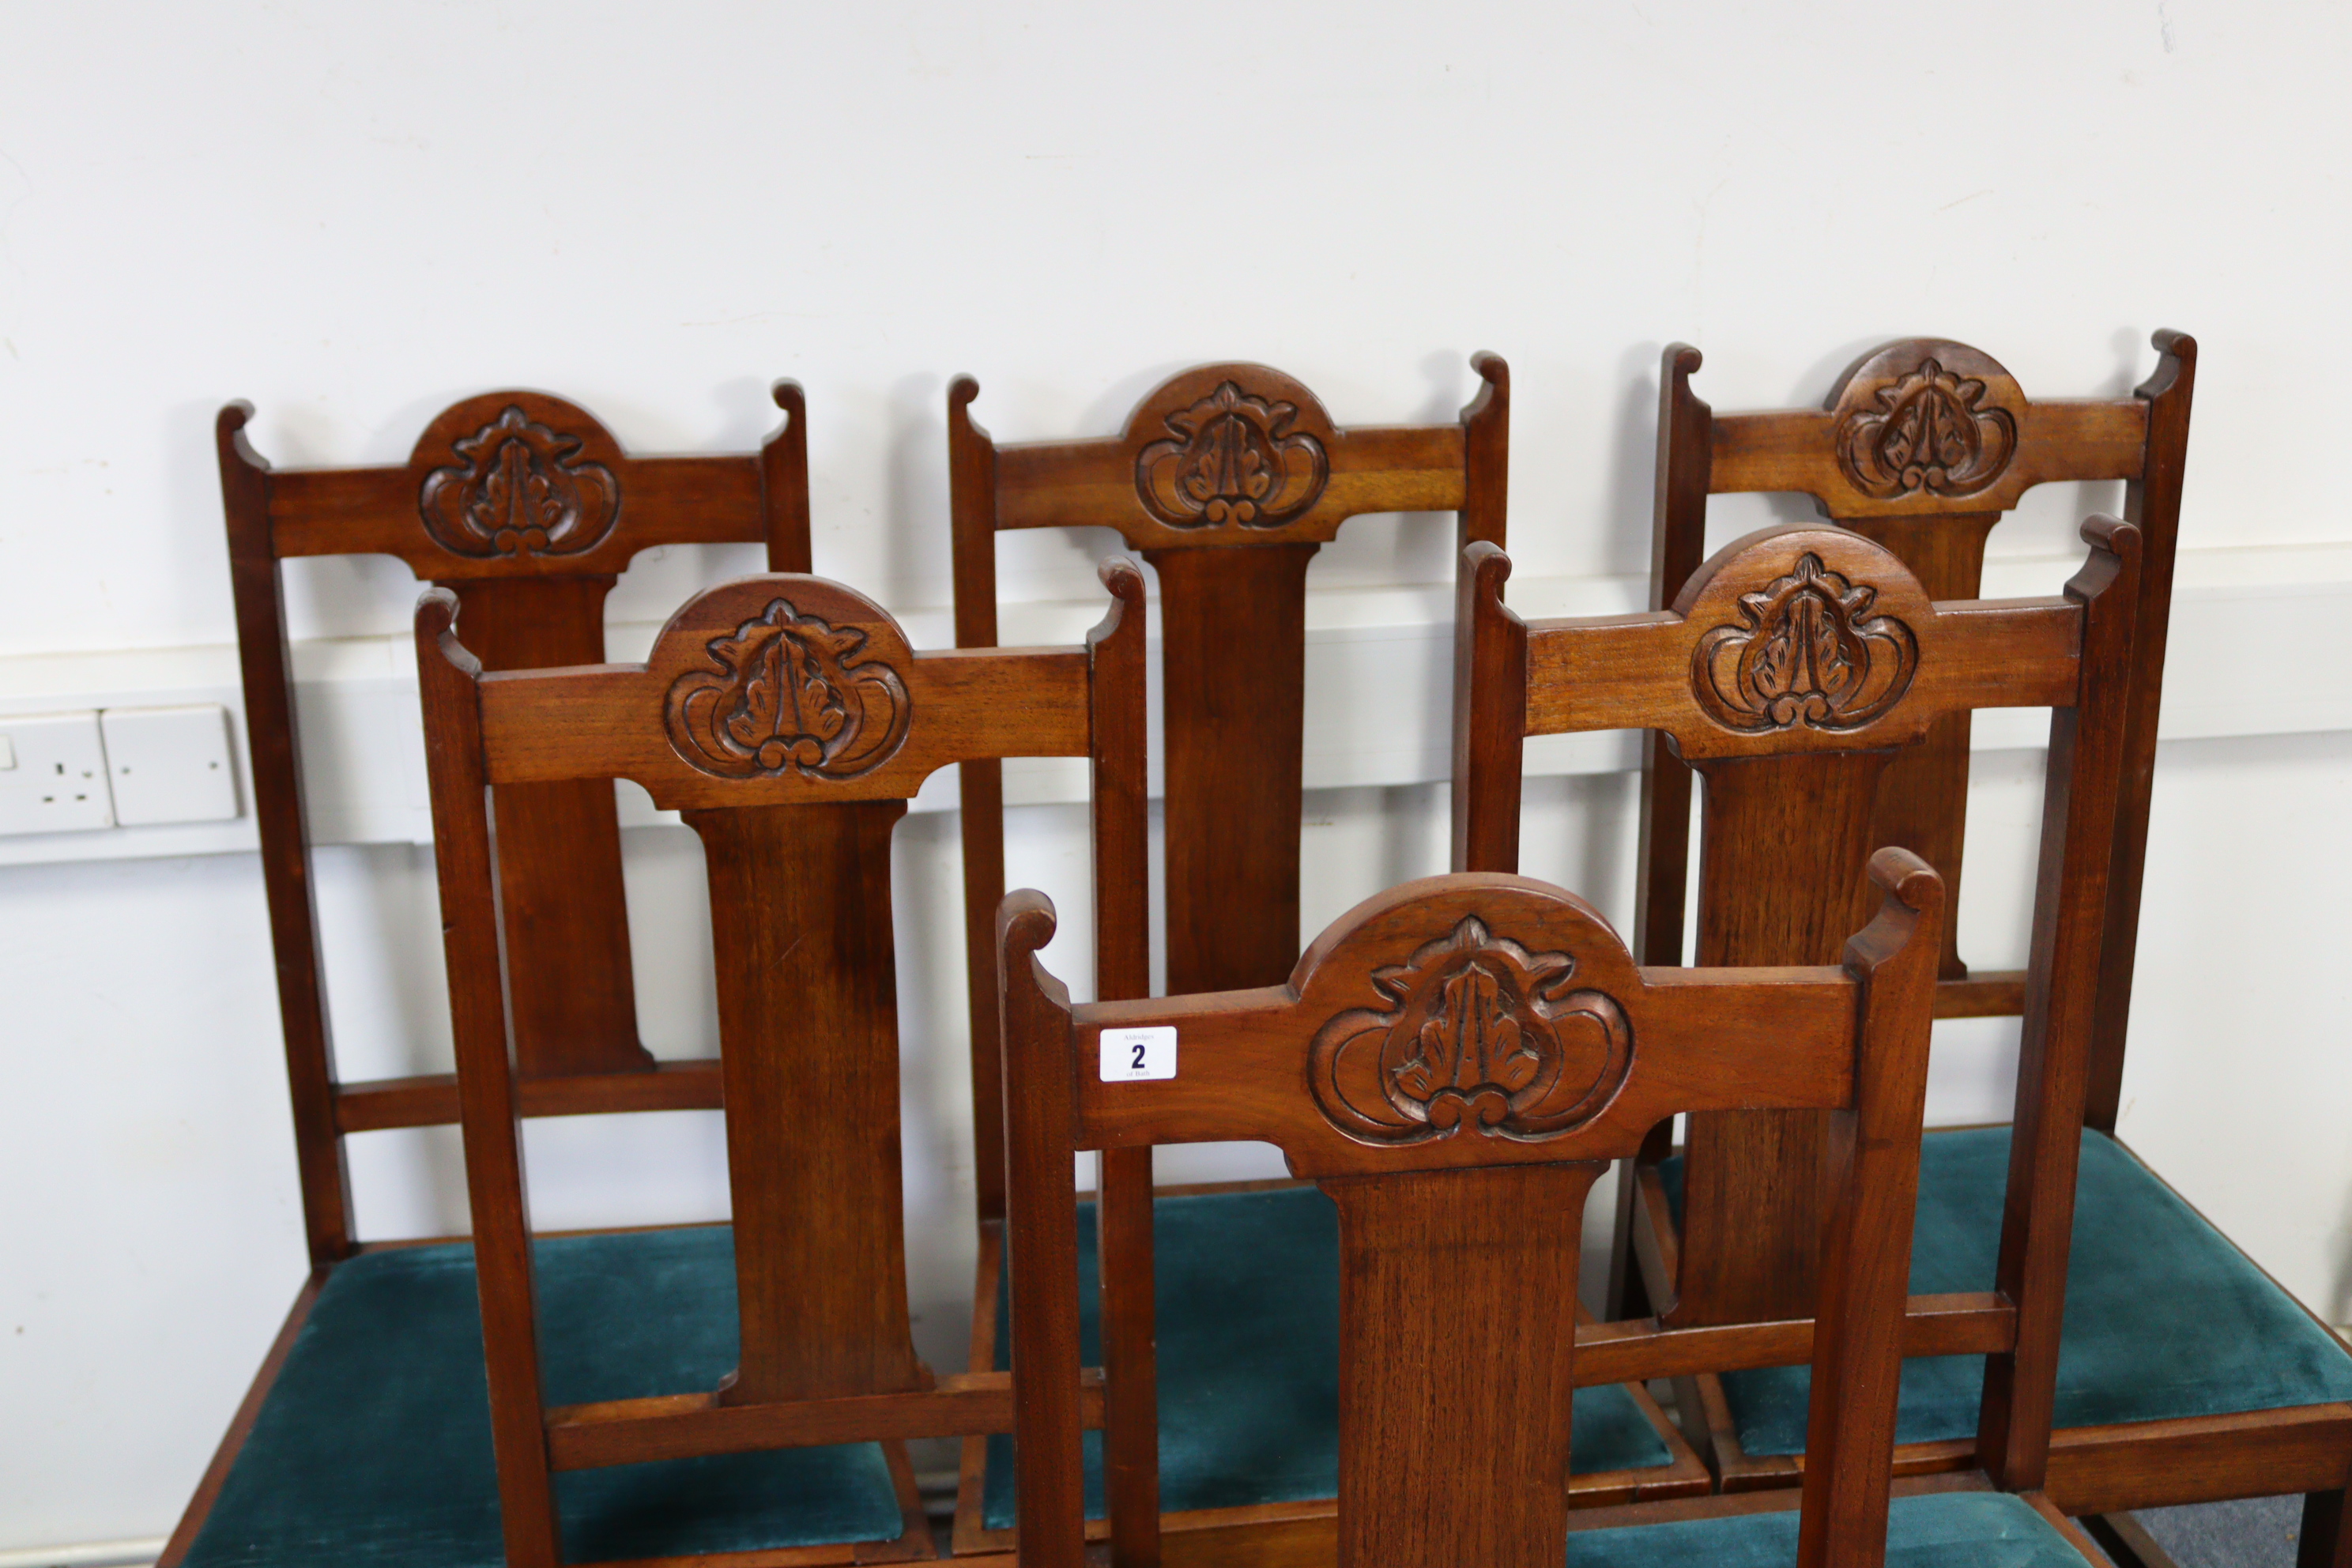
(353, 217)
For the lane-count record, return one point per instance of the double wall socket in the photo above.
(127, 767)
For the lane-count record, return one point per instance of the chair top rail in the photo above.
(1803, 639)
(1233, 454)
(521, 484)
(784, 690)
(1472, 1020)
(1925, 426)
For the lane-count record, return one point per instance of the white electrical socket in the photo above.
(169, 764)
(58, 784)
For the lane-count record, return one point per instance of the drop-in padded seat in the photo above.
(2165, 1318)
(373, 1447)
(1938, 1529)
(1248, 1330)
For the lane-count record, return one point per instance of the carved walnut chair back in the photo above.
(1454, 1061)
(1227, 479)
(789, 720)
(1794, 669)
(527, 507)
(1922, 446)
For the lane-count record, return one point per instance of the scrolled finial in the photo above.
(1906, 879)
(2113, 535)
(1025, 923)
(1124, 579)
(1488, 567)
(231, 439)
(437, 628)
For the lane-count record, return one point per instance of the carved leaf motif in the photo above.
(1926, 433)
(1234, 458)
(790, 693)
(1809, 656)
(519, 489)
(1480, 1033)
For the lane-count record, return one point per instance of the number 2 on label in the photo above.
(1133, 1056)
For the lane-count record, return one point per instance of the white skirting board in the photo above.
(88, 1554)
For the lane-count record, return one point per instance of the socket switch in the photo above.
(169, 764)
(58, 783)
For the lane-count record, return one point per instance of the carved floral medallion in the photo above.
(1482, 1033)
(519, 489)
(1929, 433)
(790, 694)
(1232, 458)
(1809, 656)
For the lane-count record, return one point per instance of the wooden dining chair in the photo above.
(1454, 1061)
(526, 507)
(736, 1395)
(1228, 479)
(1924, 446)
(1795, 670)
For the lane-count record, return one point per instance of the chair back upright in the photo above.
(1454, 1061)
(1922, 446)
(1793, 670)
(790, 723)
(527, 509)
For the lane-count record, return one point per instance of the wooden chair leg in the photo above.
(2324, 1541)
(2126, 1540)
(1691, 1417)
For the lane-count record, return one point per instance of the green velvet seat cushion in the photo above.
(2165, 1318)
(1937, 1530)
(373, 1447)
(1248, 1298)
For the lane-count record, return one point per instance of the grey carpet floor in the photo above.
(2257, 1533)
